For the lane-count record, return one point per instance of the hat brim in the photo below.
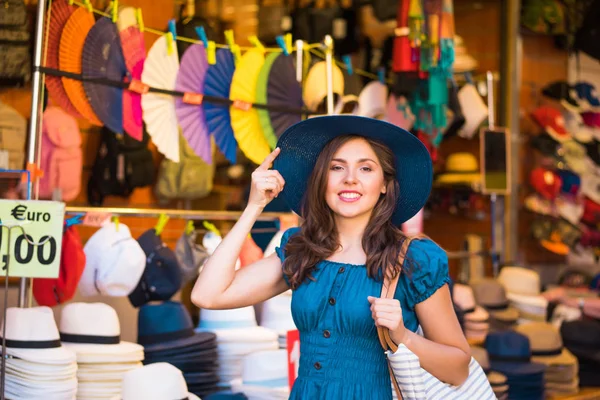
(517, 368)
(509, 314)
(105, 350)
(302, 143)
(197, 338)
(58, 355)
(190, 396)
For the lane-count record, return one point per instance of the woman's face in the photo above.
(355, 180)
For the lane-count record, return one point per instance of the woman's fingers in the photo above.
(266, 164)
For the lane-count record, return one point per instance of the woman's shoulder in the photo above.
(280, 250)
(425, 249)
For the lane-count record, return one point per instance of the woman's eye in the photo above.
(366, 169)
(336, 167)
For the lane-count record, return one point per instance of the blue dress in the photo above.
(340, 353)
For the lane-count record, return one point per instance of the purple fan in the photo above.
(190, 78)
(284, 90)
(217, 83)
(103, 58)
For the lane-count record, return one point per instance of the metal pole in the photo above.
(329, 63)
(32, 156)
(511, 56)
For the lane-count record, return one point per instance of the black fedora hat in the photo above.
(302, 143)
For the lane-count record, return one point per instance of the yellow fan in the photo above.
(245, 121)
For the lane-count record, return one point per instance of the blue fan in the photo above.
(103, 58)
(217, 83)
(284, 90)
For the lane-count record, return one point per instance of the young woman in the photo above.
(354, 181)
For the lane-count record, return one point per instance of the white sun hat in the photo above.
(264, 376)
(158, 381)
(32, 335)
(93, 332)
(114, 263)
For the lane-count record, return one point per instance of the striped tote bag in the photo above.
(411, 382)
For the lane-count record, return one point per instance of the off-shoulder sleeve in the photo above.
(427, 271)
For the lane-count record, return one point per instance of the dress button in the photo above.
(326, 334)
(317, 365)
(342, 269)
(331, 301)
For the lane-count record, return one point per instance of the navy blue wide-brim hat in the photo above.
(302, 143)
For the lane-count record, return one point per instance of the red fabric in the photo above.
(550, 118)
(405, 58)
(250, 252)
(545, 182)
(50, 292)
(591, 212)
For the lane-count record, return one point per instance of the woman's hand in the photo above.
(387, 313)
(266, 183)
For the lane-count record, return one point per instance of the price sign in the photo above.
(293, 353)
(41, 222)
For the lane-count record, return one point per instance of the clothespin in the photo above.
(115, 220)
(88, 5)
(281, 43)
(173, 29)
(348, 61)
(189, 227)
(287, 39)
(233, 47)
(115, 11)
(256, 43)
(140, 20)
(211, 228)
(74, 220)
(211, 53)
(160, 224)
(71, 2)
(381, 74)
(170, 43)
(202, 36)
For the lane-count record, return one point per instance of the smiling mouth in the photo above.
(349, 196)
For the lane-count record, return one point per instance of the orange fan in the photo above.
(60, 13)
(71, 49)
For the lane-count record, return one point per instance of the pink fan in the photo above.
(134, 49)
(192, 71)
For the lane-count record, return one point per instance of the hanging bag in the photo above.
(409, 380)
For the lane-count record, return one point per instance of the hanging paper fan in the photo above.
(134, 50)
(127, 18)
(217, 83)
(315, 87)
(261, 98)
(191, 117)
(244, 121)
(103, 58)
(71, 48)
(160, 71)
(283, 89)
(58, 17)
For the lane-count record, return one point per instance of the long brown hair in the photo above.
(318, 238)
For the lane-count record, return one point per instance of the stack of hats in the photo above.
(161, 277)
(523, 291)
(510, 354)
(264, 376)
(475, 319)
(547, 348)
(277, 316)
(159, 381)
(114, 262)
(491, 295)
(582, 338)
(37, 365)
(167, 333)
(92, 332)
(238, 335)
(498, 381)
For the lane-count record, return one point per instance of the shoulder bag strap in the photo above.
(388, 290)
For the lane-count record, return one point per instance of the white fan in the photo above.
(160, 71)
